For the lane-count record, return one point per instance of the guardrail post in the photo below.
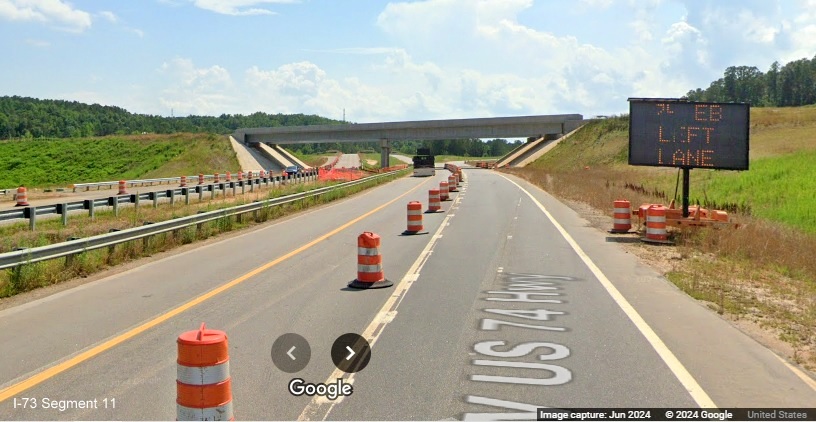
(186, 193)
(62, 209)
(199, 226)
(114, 200)
(146, 239)
(243, 187)
(89, 205)
(200, 190)
(135, 200)
(172, 194)
(212, 191)
(252, 185)
(31, 214)
(111, 248)
(234, 187)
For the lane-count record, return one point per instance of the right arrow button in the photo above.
(350, 353)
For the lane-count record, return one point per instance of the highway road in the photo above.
(510, 302)
(348, 161)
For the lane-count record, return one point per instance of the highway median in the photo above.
(197, 221)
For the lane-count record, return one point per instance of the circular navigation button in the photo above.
(350, 353)
(291, 353)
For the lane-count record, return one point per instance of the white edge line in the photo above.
(399, 293)
(697, 393)
(798, 372)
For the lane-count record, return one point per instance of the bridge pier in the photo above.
(385, 154)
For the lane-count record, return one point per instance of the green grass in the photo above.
(61, 162)
(314, 160)
(778, 186)
(32, 276)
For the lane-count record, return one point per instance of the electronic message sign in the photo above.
(675, 133)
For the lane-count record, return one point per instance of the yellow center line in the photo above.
(48, 373)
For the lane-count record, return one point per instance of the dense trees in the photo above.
(793, 84)
(23, 117)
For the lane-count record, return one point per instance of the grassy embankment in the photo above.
(763, 272)
(61, 162)
(314, 160)
(67, 161)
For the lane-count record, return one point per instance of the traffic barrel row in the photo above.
(203, 382)
(656, 224)
(369, 264)
(622, 216)
(414, 219)
(22, 197)
(452, 184)
(434, 204)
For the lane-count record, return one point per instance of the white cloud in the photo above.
(56, 13)
(109, 16)
(139, 33)
(595, 5)
(467, 58)
(193, 90)
(239, 7)
(38, 43)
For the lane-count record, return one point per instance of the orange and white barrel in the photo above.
(452, 184)
(240, 176)
(443, 191)
(369, 263)
(656, 223)
(215, 178)
(414, 218)
(183, 181)
(262, 174)
(433, 201)
(200, 178)
(203, 383)
(622, 215)
(122, 187)
(22, 197)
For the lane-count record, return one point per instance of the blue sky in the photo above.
(388, 60)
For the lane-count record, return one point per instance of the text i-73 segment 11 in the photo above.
(672, 133)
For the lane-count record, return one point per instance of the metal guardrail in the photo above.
(72, 247)
(88, 204)
(143, 182)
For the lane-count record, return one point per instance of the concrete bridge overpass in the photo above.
(492, 127)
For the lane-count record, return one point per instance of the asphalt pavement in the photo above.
(508, 303)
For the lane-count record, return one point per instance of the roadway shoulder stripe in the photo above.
(680, 371)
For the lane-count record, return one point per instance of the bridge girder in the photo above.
(492, 127)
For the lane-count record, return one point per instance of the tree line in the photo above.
(23, 117)
(31, 118)
(793, 84)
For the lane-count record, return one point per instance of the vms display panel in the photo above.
(674, 133)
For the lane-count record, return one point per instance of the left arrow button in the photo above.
(291, 353)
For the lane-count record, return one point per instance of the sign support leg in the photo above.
(686, 172)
